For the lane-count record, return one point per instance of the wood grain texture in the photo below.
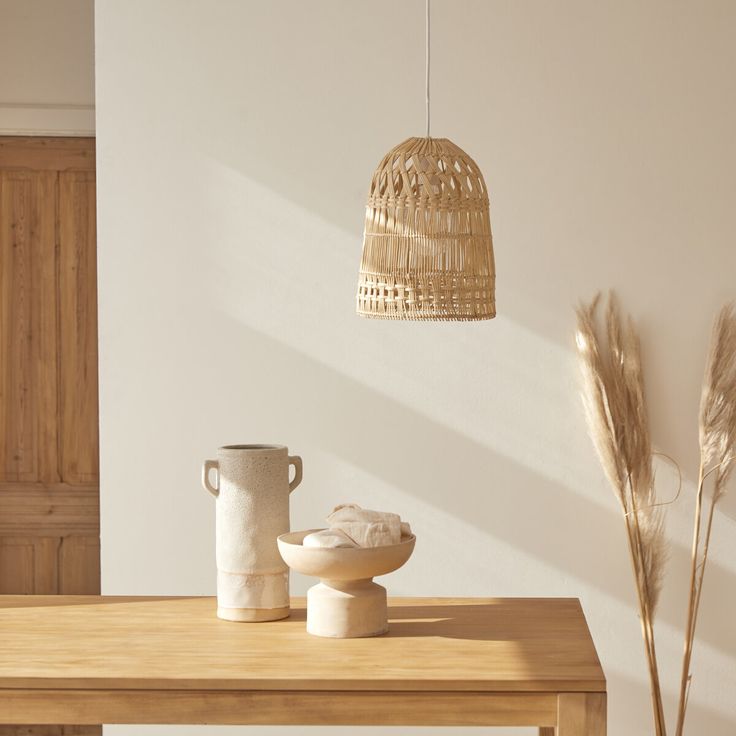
(49, 484)
(49, 509)
(279, 707)
(79, 565)
(29, 563)
(45, 564)
(47, 154)
(17, 567)
(49, 565)
(78, 420)
(479, 645)
(581, 714)
(45, 730)
(27, 325)
(49, 487)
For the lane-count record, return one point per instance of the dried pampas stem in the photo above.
(717, 452)
(613, 395)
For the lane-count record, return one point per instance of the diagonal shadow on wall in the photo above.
(445, 468)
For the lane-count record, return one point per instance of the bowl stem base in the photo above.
(345, 609)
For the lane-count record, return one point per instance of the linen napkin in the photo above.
(351, 525)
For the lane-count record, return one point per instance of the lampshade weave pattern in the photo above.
(427, 247)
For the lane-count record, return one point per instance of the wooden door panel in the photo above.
(49, 477)
(37, 153)
(45, 566)
(32, 565)
(79, 565)
(50, 731)
(41, 510)
(78, 327)
(17, 565)
(28, 350)
(29, 563)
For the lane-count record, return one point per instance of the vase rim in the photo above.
(254, 448)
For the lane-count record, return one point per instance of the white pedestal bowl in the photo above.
(346, 603)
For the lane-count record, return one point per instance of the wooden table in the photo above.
(444, 662)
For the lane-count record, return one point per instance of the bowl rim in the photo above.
(405, 540)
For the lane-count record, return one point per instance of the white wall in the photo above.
(47, 67)
(236, 144)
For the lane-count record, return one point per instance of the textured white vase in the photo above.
(251, 485)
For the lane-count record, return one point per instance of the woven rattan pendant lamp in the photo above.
(427, 246)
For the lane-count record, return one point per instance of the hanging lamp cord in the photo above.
(427, 68)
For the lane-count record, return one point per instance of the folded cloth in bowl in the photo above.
(329, 538)
(352, 526)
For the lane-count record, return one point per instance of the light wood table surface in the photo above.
(452, 662)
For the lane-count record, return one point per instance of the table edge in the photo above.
(590, 683)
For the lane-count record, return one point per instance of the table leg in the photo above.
(581, 714)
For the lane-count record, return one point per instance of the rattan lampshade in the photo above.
(427, 247)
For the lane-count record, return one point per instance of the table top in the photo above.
(443, 644)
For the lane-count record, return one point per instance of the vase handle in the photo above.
(206, 468)
(296, 461)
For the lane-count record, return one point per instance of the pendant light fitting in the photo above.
(427, 245)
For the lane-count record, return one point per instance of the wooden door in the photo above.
(49, 477)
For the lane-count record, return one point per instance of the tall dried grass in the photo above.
(613, 395)
(717, 452)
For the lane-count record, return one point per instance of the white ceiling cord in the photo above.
(427, 68)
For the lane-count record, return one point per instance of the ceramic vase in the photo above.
(251, 486)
